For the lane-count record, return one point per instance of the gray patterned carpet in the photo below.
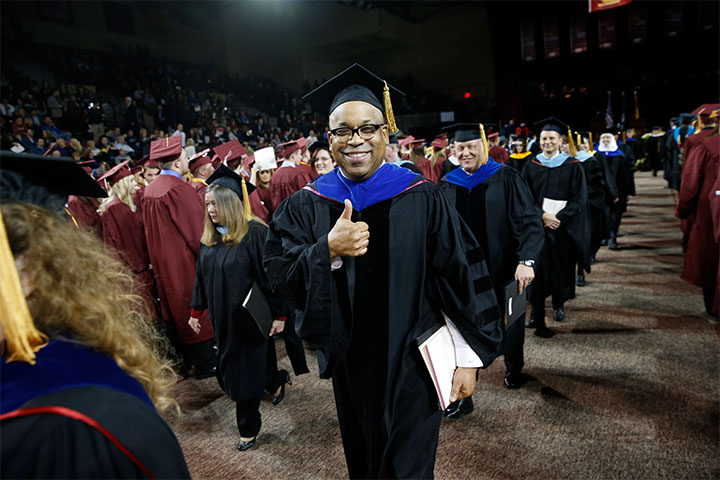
(627, 388)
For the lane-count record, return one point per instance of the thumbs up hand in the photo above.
(347, 238)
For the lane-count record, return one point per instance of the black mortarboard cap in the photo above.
(356, 83)
(319, 145)
(228, 178)
(551, 124)
(44, 181)
(464, 132)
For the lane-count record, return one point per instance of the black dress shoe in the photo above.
(514, 380)
(593, 261)
(207, 373)
(604, 242)
(580, 280)
(612, 244)
(544, 332)
(559, 314)
(242, 446)
(459, 408)
(536, 320)
(286, 381)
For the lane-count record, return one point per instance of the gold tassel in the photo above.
(571, 144)
(579, 139)
(486, 148)
(592, 147)
(622, 137)
(392, 126)
(700, 125)
(637, 109)
(23, 339)
(246, 201)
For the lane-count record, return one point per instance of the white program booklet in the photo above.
(553, 206)
(438, 351)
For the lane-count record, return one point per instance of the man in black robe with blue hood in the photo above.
(497, 205)
(374, 254)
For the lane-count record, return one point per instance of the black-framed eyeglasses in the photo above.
(366, 132)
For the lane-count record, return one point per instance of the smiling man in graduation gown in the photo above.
(173, 215)
(557, 183)
(497, 205)
(371, 253)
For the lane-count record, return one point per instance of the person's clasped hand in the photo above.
(550, 221)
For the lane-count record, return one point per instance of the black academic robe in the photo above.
(630, 151)
(570, 243)
(364, 318)
(595, 174)
(518, 160)
(619, 170)
(447, 167)
(76, 414)
(225, 275)
(502, 215)
(671, 163)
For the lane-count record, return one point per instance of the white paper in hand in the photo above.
(438, 352)
(553, 206)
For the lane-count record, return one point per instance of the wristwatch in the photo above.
(528, 263)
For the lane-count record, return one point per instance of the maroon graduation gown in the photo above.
(123, 230)
(199, 186)
(173, 215)
(83, 211)
(499, 154)
(699, 175)
(258, 208)
(283, 184)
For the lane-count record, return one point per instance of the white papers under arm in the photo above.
(438, 352)
(464, 355)
(553, 206)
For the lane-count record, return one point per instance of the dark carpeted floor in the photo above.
(627, 388)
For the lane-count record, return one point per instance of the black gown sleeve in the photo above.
(577, 203)
(611, 191)
(460, 280)
(525, 218)
(199, 299)
(256, 248)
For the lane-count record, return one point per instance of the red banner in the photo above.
(600, 5)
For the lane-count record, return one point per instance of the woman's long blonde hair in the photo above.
(123, 190)
(81, 291)
(232, 215)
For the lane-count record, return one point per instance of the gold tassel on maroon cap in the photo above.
(246, 201)
(22, 338)
(392, 126)
(486, 148)
(700, 125)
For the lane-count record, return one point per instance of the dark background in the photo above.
(437, 52)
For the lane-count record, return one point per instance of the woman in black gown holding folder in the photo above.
(229, 263)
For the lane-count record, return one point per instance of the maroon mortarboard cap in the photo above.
(247, 161)
(216, 162)
(440, 142)
(200, 159)
(279, 151)
(406, 140)
(706, 109)
(166, 149)
(493, 135)
(136, 169)
(290, 147)
(114, 175)
(302, 141)
(417, 142)
(229, 151)
(88, 166)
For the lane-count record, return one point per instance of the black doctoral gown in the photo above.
(570, 243)
(595, 169)
(619, 171)
(364, 318)
(225, 275)
(76, 414)
(503, 216)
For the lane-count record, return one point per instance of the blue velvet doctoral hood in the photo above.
(388, 181)
(461, 178)
(60, 365)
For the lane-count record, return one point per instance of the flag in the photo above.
(608, 112)
(599, 5)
